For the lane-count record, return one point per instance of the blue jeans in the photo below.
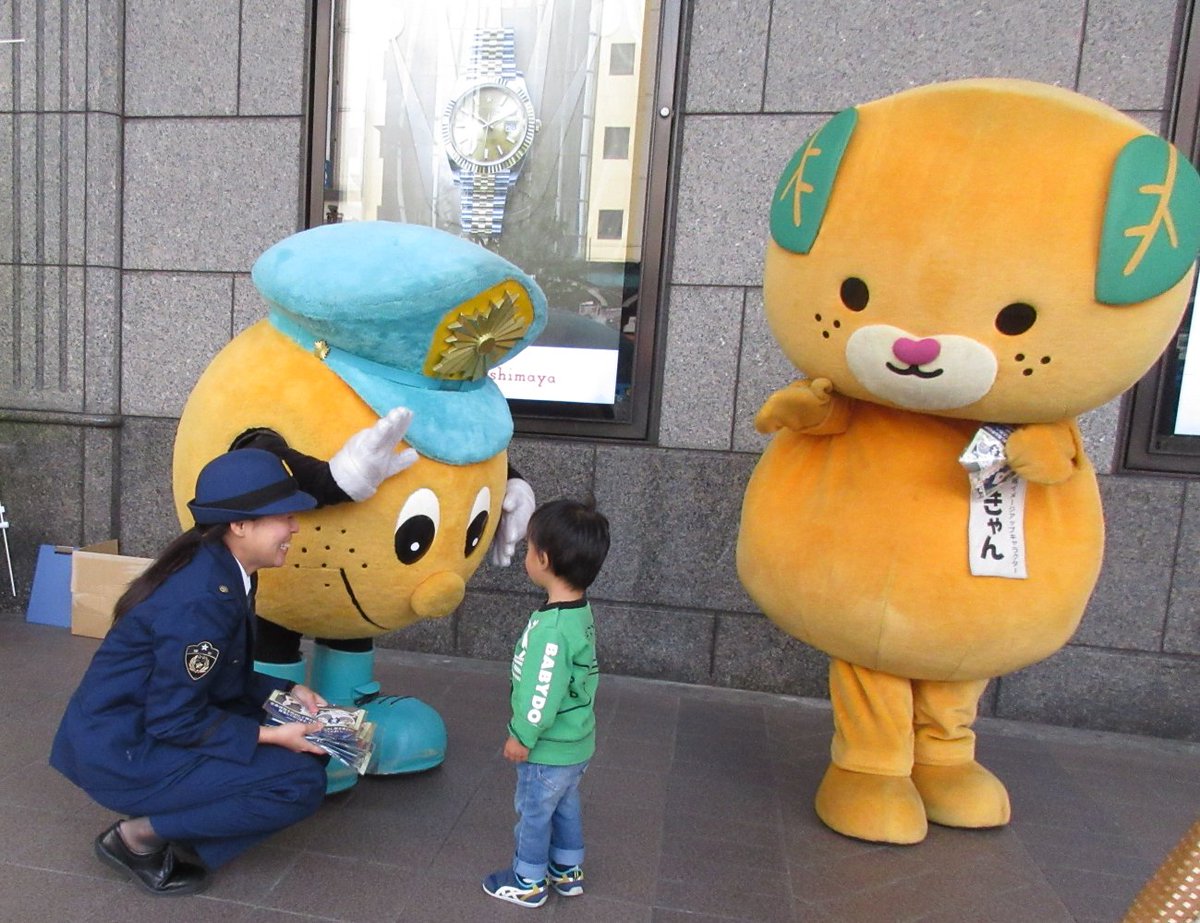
(549, 818)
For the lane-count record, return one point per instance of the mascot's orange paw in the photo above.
(801, 405)
(963, 795)
(1042, 453)
(882, 809)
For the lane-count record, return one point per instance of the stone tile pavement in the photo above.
(698, 808)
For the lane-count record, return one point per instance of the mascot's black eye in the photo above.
(479, 520)
(413, 539)
(417, 525)
(855, 293)
(475, 533)
(1015, 318)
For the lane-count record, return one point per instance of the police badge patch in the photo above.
(200, 658)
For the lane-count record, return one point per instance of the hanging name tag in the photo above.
(996, 531)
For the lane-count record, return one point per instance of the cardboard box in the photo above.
(99, 575)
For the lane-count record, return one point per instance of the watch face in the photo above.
(489, 127)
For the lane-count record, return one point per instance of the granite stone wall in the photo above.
(154, 150)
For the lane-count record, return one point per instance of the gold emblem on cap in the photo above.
(478, 334)
(320, 349)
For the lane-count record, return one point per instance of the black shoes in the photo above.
(160, 873)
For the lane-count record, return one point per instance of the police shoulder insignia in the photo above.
(200, 658)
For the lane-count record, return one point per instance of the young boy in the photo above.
(552, 734)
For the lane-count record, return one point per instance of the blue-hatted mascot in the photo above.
(369, 378)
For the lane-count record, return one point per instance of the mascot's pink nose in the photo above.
(438, 595)
(916, 352)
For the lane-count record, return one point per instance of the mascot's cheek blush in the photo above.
(929, 373)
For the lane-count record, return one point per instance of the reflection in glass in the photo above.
(524, 125)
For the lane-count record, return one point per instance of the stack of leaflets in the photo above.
(347, 733)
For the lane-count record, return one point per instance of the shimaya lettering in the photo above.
(499, 374)
(542, 689)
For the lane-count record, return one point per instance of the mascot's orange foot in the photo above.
(962, 795)
(882, 809)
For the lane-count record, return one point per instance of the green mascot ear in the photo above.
(1151, 223)
(803, 191)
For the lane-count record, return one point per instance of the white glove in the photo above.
(369, 457)
(515, 510)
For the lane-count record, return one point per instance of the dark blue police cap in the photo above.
(246, 484)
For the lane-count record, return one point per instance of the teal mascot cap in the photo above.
(408, 316)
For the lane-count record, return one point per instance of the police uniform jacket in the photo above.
(170, 685)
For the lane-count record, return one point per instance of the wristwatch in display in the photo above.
(488, 129)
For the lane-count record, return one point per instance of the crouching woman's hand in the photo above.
(291, 736)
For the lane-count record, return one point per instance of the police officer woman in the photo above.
(166, 723)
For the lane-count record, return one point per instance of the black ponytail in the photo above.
(174, 557)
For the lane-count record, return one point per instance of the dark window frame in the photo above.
(556, 419)
(1148, 444)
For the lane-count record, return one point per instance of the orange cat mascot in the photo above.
(972, 253)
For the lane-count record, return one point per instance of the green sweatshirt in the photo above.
(554, 678)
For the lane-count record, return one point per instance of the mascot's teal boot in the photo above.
(338, 776)
(409, 735)
(296, 672)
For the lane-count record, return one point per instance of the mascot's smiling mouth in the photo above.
(354, 599)
(887, 361)
(913, 370)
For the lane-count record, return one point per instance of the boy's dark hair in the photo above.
(574, 537)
